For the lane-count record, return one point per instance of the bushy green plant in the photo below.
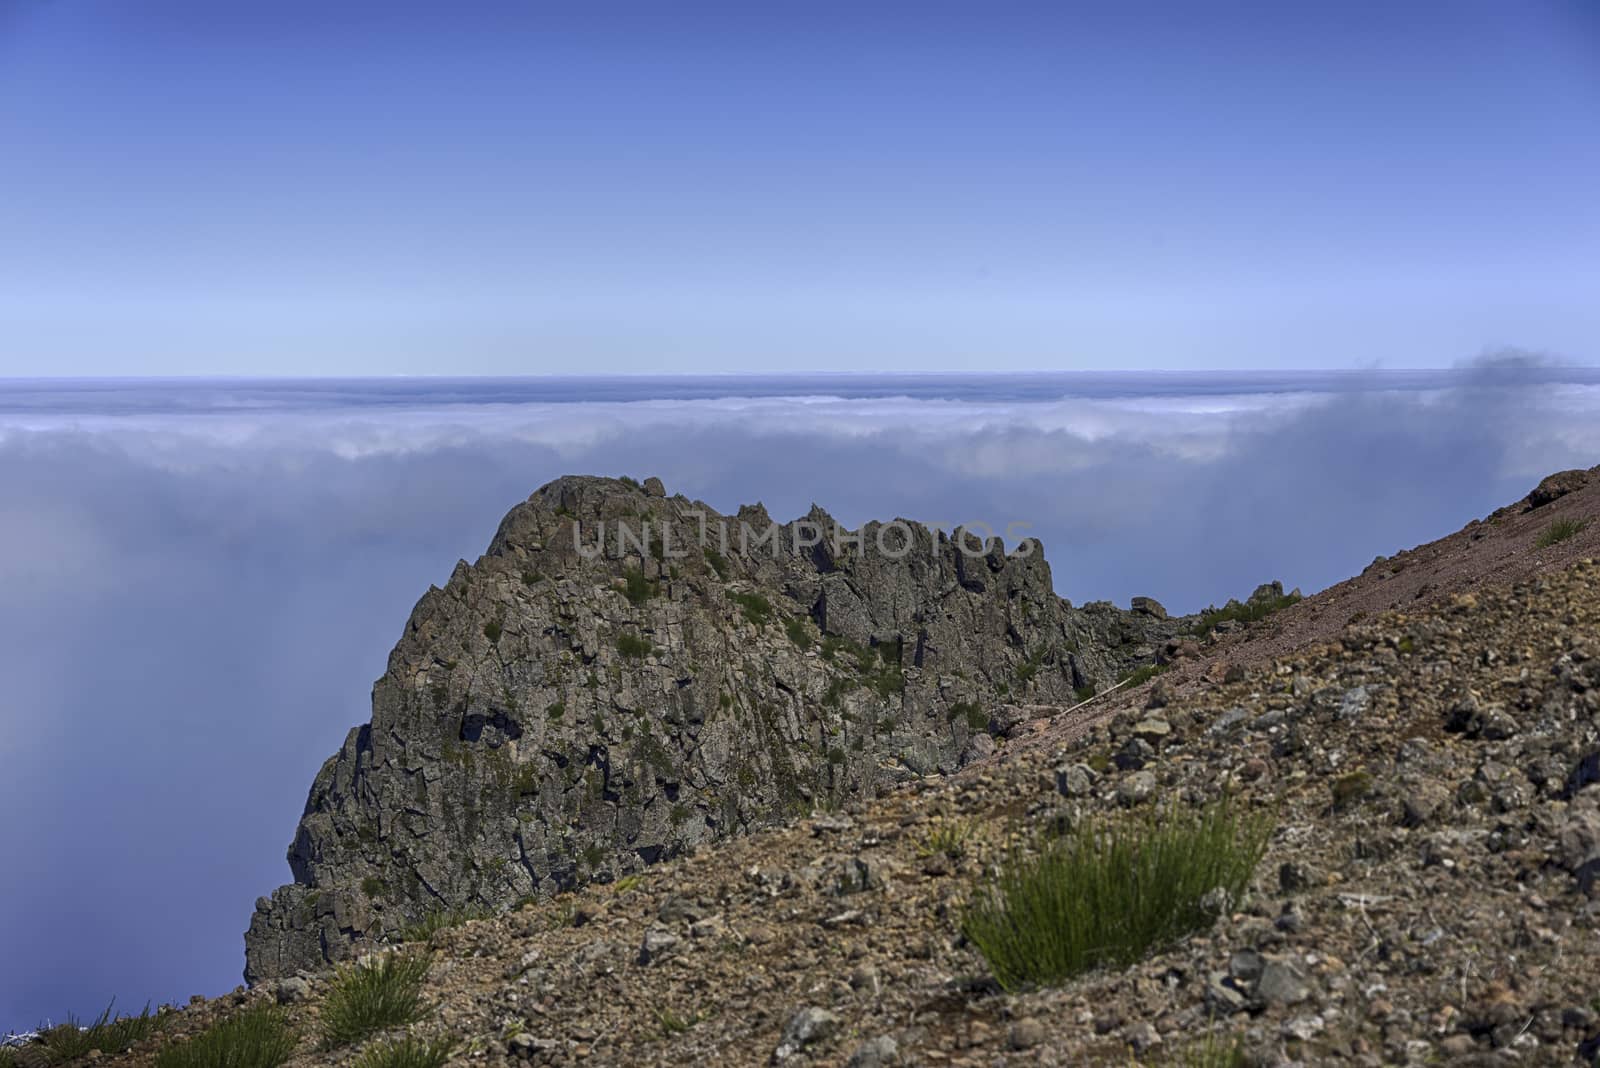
(1140, 676)
(636, 588)
(799, 633)
(108, 1034)
(407, 1052)
(1106, 893)
(1241, 612)
(258, 1037)
(756, 608)
(369, 998)
(634, 647)
(1559, 531)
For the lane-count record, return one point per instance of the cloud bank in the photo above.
(197, 603)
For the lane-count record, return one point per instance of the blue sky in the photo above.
(505, 188)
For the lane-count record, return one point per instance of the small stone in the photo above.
(1142, 1036)
(1245, 965)
(679, 909)
(806, 1027)
(656, 945)
(1152, 729)
(1136, 789)
(877, 1052)
(292, 989)
(1025, 1034)
(1282, 984)
(1074, 780)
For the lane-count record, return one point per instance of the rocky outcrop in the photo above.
(626, 674)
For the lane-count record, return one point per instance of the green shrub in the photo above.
(258, 1037)
(756, 608)
(73, 1039)
(1350, 790)
(718, 563)
(367, 999)
(636, 588)
(976, 718)
(530, 578)
(1106, 893)
(408, 1052)
(633, 646)
(1241, 613)
(1084, 692)
(492, 630)
(1559, 531)
(372, 886)
(1140, 676)
(799, 633)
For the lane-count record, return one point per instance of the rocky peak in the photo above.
(626, 674)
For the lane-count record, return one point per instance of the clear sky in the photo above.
(504, 188)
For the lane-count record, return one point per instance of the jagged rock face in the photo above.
(624, 675)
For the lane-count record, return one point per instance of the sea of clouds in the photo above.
(198, 595)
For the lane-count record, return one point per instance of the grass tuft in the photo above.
(258, 1037)
(440, 920)
(1559, 531)
(1107, 893)
(948, 839)
(408, 1052)
(73, 1039)
(372, 998)
(1214, 1051)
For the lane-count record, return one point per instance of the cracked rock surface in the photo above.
(626, 675)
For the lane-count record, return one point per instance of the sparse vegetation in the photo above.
(718, 563)
(634, 647)
(756, 608)
(1216, 1050)
(1241, 612)
(971, 713)
(493, 629)
(637, 588)
(439, 920)
(367, 999)
(107, 1034)
(258, 1037)
(1350, 790)
(1559, 531)
(949, 839)
(799, 633)
(1084, 692)
(372, 886)
(673, 1024)
(1107, 893)
(1140, 676)
(408, 1052)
